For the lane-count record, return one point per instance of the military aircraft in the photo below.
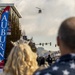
(39, 10)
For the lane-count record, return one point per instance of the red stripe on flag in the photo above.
(6, 9)
(2, 64)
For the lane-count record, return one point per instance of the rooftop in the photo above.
(12, 6)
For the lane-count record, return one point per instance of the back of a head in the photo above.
(67, 33)
(21, 61)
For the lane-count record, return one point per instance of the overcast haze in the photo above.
(43, 26)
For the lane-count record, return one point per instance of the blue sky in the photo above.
(43, 27)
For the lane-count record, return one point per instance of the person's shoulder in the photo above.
(52, 70)
(47, 71)
(43, 71)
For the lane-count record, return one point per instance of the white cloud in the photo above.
(52, 10)
(46, 23)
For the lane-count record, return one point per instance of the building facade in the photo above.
(14, 31)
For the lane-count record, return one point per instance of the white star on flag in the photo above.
(37, 73)
(65, 72)
(47, 74)
(72, 61)
(73, 54)
(6, 11)
(57, 60)
(72, 66)
(55, 68)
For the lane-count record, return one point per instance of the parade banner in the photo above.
(3, 33)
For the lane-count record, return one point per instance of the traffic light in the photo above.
(46, 43)
(40, 43)
(50, 43)
(55, 45)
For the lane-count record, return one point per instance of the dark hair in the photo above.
(66, 32)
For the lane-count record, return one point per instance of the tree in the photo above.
(15, 34)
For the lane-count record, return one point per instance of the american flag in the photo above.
(4, 20)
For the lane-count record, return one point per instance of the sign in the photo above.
(3, 33)
(9, 29)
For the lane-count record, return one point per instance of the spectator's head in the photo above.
(66, 36)
(49, 55)
(21, 60)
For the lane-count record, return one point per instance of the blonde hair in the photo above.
(21, 61)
